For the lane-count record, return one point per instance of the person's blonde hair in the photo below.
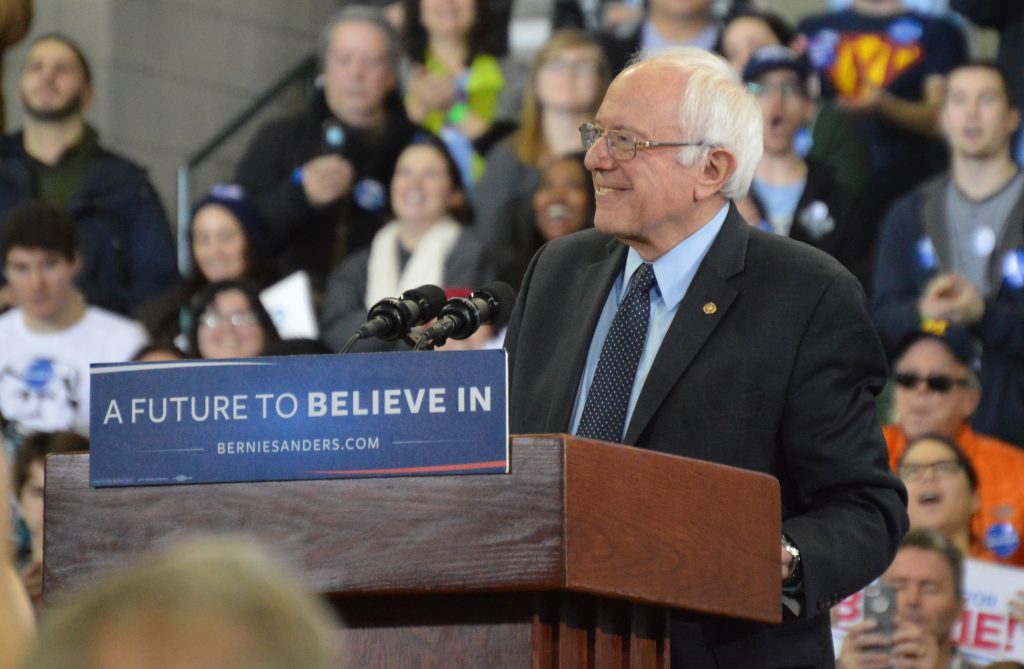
(529, 139)
(211, 580)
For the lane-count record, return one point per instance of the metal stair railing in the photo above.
(304, 71)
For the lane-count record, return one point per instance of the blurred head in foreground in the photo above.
(202, 604)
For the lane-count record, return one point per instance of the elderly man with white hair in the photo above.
(675, 326)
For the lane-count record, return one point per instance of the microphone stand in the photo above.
(414, 340)
(425, 344)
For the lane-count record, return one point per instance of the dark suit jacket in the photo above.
(780, 378)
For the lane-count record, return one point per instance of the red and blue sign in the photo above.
(299, 417)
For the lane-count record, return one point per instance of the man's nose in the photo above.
(356, 69)
(909, 597)
(770, 97)
(48, 73)
(598, 157)
(35, 278)
(921, 387)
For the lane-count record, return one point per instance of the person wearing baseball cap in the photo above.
(795, 196)
(936, 391)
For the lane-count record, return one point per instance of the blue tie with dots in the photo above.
(604, 413)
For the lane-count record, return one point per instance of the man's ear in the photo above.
(719, 165)
(970, 399)
(943, 122)
(76, 263)
(1014, 120)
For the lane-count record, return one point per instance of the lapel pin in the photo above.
(710, 308)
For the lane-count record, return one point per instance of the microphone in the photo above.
(392, 318)
(462, 316)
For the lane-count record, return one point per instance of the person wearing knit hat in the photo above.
(228, 239)
(227, 234)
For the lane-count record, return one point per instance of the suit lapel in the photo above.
(589, 292)
(693, 323)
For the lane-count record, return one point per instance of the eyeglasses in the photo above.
(580, 68)
(212, 319)
(620, 145)
(915, 472)
(939, 383)
(764, 90)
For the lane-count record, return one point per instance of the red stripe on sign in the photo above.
(407, 470)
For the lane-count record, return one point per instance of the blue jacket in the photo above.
(124, 239)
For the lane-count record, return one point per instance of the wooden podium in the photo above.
(573, 560)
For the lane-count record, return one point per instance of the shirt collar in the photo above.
(651, 39)
(675, 269)
(86, 146)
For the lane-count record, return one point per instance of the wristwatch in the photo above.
(793, 577)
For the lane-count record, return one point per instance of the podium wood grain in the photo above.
(570, 561)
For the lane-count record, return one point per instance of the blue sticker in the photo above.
(1013, 269)
(228, 191)
(765, 225)
(803, 141)
(39, 373)
(817, 219)
(1002, 539)
(926, 257)
(334, 135)
(906, 31)
(821, 48)
(370, 195)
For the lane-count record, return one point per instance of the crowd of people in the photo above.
(429, 155)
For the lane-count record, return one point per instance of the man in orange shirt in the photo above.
(936, 392)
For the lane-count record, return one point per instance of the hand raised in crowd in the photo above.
(429, 92)
(326, 179)
(913, 647)
(864, 648)
(910, 647)
(952, 297)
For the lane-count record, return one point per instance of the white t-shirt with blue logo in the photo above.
(44, 377)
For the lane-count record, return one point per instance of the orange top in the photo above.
(997, 527)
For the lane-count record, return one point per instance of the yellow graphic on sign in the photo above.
(864, 62)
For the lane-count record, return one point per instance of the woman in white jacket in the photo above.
(426, 243)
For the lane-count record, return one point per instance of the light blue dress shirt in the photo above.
(675, 271)
(651, 39)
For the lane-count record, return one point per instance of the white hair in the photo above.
(717, 109)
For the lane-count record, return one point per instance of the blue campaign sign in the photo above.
(299, 417)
